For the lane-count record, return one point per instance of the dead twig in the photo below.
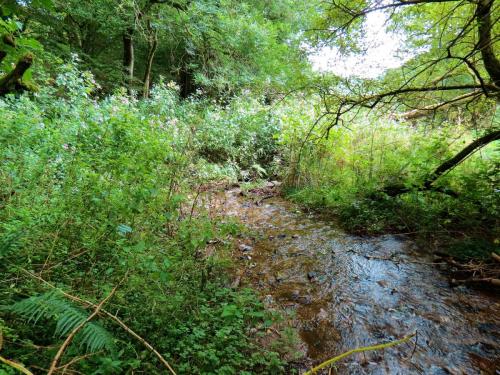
(15, 365)
(65, 344)
(358, 350)
(65, 367)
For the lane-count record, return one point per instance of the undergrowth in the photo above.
(93, 193)
(346, 175)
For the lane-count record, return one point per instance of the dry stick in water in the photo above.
(115, 318)
(358, 350)
(75, 330)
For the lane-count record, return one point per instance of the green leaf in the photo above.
(229, 311)
(47, 4)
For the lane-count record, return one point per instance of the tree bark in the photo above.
(395, 190)
(153, 45)
(11, 82)
(491, 62)
(128, 58)
(186, 82)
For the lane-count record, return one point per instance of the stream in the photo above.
(347, 291)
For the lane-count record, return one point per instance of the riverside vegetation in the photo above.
(115, 115)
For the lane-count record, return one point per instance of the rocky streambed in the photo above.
(344, 292)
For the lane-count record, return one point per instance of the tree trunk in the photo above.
(11, 82)
(461, 156)
(485, 45)
(395, 190)
(153, 45)
(128, 58)
(186, 82)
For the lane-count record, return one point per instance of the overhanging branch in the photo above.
(427, 110)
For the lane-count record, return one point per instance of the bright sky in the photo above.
(381, 54)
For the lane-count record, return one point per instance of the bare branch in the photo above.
(427, 110)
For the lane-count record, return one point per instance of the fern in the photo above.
(53, 306)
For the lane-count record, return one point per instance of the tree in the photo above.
(458, 42)
(16, 51)
(220, 47)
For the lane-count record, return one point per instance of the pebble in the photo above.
(245, 248)
(268, 300)
(312, 275)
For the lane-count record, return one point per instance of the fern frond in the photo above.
(52, 305)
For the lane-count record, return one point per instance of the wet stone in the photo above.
(268, 300)
(279, 277)
(305, 300)
(312, 275)
(245, 248)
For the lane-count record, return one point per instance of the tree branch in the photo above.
(12, 80)
(461, 156)
(427, 110)
(375, 99)
(395, 190)
(491, 62)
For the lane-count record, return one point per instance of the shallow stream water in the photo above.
(347, 292)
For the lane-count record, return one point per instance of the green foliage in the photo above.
(53, 306)
(217, 47)
(244, 134)
(214, 338)
(93, 190)
(347, 172)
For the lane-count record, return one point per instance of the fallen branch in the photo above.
(107, 313)
(358, 350)
(398, 189)
(10, 363)
(65, 344)
(15, 365)
(65, 367)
